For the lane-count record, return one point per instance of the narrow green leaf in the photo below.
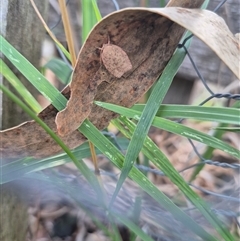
(60, 69)
(33, 75)
(232, 129)
(108, 149)
(176, 128)
(161, 161)
(214, 114)
(162, 3)
(208, 153)
(133, 227)
(14, 170)
(96, 10)
(88, 18)
(19, 87)
(154, 101)
(136, 175)
(80, 164)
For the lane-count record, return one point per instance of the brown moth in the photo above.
(115, 59)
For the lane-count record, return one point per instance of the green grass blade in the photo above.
(154, 101)
(162, 3)
(49, 91)
(117, 158)
(208, 153)
(33, 75)
(176, 128)
(19, 87)
(80, 164)
(214, 114)
(102, 144)
(96, 10)
(195, 135)
(52, 94)
(60, 69)
(161, 161)
(88, 18)
(133, 227)
(231, 129)
(14, 170)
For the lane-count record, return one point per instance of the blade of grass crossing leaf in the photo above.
(51, 93)
(33, 75)
(155, 99)
(14, 170)
(19, 87)
(161, 161)
(42, 85)
(108, 149)
(80, 164)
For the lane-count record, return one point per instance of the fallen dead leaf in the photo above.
(131, 42)
(212, 30)
(149, 40)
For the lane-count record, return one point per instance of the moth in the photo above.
(115, 59)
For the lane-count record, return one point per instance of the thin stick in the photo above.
(68, 31)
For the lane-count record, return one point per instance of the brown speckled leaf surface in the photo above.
(149, 41)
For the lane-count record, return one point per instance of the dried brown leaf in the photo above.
(149, 41)
(212, 30)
